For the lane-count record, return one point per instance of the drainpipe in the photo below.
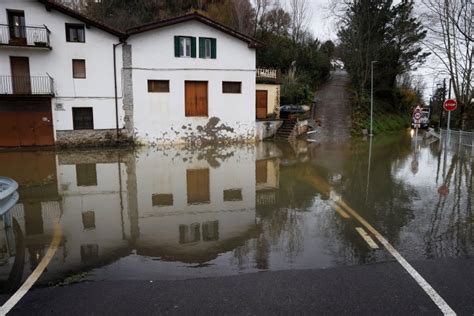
(116, 90)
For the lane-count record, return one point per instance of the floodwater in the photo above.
(154, 214)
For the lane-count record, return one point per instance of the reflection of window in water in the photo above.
(198, 186)
(88, 220)
(33, 219)
(162, 199)
(210, 231)
(261, 171)
(189, 233)
(233, 195)
(86, 174)
(89, 252)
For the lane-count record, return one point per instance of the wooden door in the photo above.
(44, 128)
(198, 186)
(17, 27)
(261, 171)
(20, 68)
(25, 122)
(262, 103)
(8, 130)
(196, 98)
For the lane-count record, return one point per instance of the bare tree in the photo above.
(261, 7)
(450, 40)
(300, 17)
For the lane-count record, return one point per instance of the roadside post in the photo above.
(449, 105)
(417, 115)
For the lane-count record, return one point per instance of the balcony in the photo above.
(268, 76)
(25, 36)
(26, 86)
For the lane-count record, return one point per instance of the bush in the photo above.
(295, 92)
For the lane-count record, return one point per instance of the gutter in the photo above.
(116, 89)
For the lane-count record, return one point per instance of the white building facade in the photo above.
(193, 81)
(69, 80)
(57, 75)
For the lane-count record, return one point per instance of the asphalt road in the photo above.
(333, 109)
(366, 289)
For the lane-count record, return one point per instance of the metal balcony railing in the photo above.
(31, 36)
(269, 75)
(26, 85)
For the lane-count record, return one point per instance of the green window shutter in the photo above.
(213, 48)
(193, 47)
(202, 48)
(177, 46)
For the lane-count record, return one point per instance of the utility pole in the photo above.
(372, 97)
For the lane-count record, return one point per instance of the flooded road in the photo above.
(169, 214)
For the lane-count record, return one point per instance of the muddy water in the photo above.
(172, 214)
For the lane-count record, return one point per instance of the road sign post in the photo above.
(449, 106)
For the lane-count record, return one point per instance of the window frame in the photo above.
(230, 91)
(75, 26)
(74, 124)
(74, 75)
(183, 49)
(154, 85)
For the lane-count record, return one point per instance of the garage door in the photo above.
(26, 122)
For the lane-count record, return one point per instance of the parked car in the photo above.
(291, 109)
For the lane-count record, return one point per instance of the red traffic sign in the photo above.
(450, 105)
(417, 116)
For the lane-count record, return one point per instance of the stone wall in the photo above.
(128, 89)
(91, 138)
(267, 128)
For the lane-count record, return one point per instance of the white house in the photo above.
(56, 75)
(193, 80)
(67, 79)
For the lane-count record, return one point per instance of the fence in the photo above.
(26, 85)
(458, 140)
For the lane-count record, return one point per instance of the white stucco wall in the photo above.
(160, 117)
(96, 91)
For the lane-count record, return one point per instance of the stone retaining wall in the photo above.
(92, 138)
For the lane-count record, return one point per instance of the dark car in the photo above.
(290, 109)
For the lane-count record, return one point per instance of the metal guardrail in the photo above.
(35, 36)
(26, 85)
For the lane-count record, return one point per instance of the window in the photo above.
(82, 118)
(233, 195)
(86, 175)
(75, 33)
(189, 233)
(79, 68)
(198, 186)
(158, 86)
(207, 47)
(210, 231)
(89, 252)
(185, 46)
(231, 87)
(162, 199)
(88, 220)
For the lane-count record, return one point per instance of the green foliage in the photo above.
(295, 92)
(378, 30)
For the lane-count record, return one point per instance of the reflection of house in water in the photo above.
(38, 206)
(176, 205)
(192, 205)
(267, 174)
